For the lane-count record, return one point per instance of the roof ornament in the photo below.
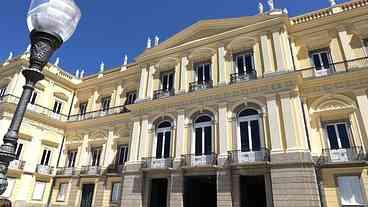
(102, 67)
(157, 40)
(81, 74)
(10, 56)
(332, 2)
(77, 74)
(271, 5)
(125, 59)
(285, 11)
(149, 43)
(28, 50)
(260, 8)
(57, 61)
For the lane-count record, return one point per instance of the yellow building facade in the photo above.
(265, 110)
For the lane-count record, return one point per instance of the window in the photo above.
(244, 63)
(9, 190)
(249, 130)
(62, 192)
(58, 106)
(122, 154)
(338, 135)
(365, 42)
(115, 192)
(105, 103)
(203, 135)
(96, 155)
(2, 91)
(18, 151)
(38, 190)
(131, 97)
(46, 157)
(203, 72)
(351, 193)
(72, 155)
(83, 108)
(33, 98)
(167, 81)
(321, 59)
(163, 139)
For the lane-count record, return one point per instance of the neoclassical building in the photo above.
(266, 110)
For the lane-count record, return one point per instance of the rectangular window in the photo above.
(96, 155)
(18, 151)
(244, 62)
(46, 157)
(167, 81)
(33, 98)
(351, 193)
(115, 192)
(72, 156)
(62, 192)
(338, 135)
(58, 106)
(365, 42)
(321, 59)
(38, 190)
(83, 108)
(203, 72)
(105, 103)
(122, 154)
(2, 91)
(9, 190)
(131, 97)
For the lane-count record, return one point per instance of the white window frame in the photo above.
(202, 125)
(131, 97)
(167, 76)
(58, 106)
(98, 161)
(63, 188)
(347, 125)
(41, 185)
(9, 190)
(360, 187)
(115, 196)
(243, 55)
(72, 153)
(322, 71)
(120, 151)
(249, 119)
(203, 64)
(105, 103)
(50, 156)
(3, 91)
(162, 130)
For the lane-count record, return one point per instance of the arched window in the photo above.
(163, 140)
(249, 130)
(203, 135)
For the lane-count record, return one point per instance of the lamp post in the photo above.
(51, 22)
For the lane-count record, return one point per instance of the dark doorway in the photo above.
(158, 193)
(87, 195)
(253, 191)
(200, 191)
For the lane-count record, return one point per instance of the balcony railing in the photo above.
(193, 160)
(9, 98)
(66, 171)
(90, 170)
(17, 164)
(100, 113)
(153, 163)
(163, 93)
(200, 85)
(116, 169)
(44, 169)
(238, 77)
(343, 155)
(247, 157)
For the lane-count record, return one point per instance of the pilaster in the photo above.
(275, 124)
(145, 142)
(177, 77)
(143, 84)
(135, 140)
(362, 99)
(221, 64)
(149, 94)
(266, 54)
(222, 111)
(184, 74)
(180, 135)
(345, 42)
(279, 51)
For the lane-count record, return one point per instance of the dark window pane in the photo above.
(208, 140)
(344, 137)
(244, 136)
(43, 157)
(47, 158)
(159, 145)
(164, 82)
(240, 64)
(325, 60)
(200, 74)
(256, 141)
(198, 141)
(19, 151)
(316, 61)
(167, 144)
(332, 137)
(207, 73)
(248, 112)
(248, 63)
(164, 124)
(203, 119)
(171, 81)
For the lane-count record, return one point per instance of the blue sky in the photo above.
(111, 28)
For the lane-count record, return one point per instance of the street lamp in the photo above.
(51, 22)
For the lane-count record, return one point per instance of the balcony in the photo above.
(17, 164)
(353, 154)
(66, 171)
(249, 157)
(239, 77)
(158, 94)
(153, 163)
(44, 169)
(115, 169)
(90, 170)
(200, 85)
(100, 113)
(192, 160)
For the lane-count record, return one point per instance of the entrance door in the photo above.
(87, 195)
(200, 191)
(158, 193)
(253, 191)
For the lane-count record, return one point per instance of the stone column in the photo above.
(279, 51)
(176, 190)
(145, 143)
(143, 84)
(362, 100)
(287, 49)
(221, 65)
(289, 122)
(275, 124)
(183, 74)
(266, 54)
(108, 159)
(345, 43)
(177, 77)
(224, 188)
(257, 59)
(214, 69)
(236, 190)
(118, 94)
(135, 140)
(222, 133)
(179, 137)
(94, 105)
(150, 89)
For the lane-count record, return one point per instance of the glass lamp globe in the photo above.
(56, 17)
